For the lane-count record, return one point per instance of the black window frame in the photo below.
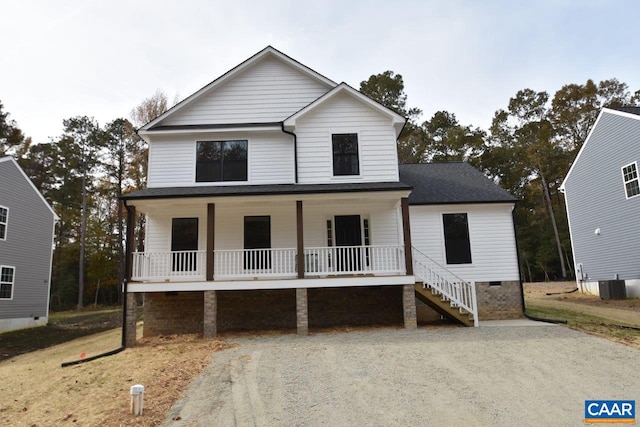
(253, 260)
(213, 169)
(345, 154)
(182, 242)
(457, 242)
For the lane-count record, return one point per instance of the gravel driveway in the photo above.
(500, 374)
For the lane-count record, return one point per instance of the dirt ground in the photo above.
(518, 373)
(625, 311)
(37, 391)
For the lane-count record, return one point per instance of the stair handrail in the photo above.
(459, 291)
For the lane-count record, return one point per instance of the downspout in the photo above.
(295, 152)
(524, 310)
(124, 312)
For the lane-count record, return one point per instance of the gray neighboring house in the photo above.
(26, 248)
(602, 194)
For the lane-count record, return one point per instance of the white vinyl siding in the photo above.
(229, 222)
(493, 250)
(172, 159)
(344, 114)
(269, 91)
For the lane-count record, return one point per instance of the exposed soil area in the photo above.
(37, 391)
(625, 311)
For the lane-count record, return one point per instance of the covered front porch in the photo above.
(275, 238)
(334, 238)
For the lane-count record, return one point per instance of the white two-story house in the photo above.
(274, 200)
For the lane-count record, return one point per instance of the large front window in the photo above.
(7, 277)
(345, 154)
(218, 161)
(456, 238)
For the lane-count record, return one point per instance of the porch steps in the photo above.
(443, 291)
(443, 305)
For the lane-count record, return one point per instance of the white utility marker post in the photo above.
(137, 396)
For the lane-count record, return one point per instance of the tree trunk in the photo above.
(545, 190)
(83, 231)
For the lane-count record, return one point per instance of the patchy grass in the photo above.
(39, 392)
(594, 325)
(63, 326)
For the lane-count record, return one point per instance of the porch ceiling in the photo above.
(267, 193)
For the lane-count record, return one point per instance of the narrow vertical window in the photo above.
(7, 278)
(4, 218)
(367, 240)
(456, 238)
(345, 154)
(630, 177)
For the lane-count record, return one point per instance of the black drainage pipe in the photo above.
(524, 309)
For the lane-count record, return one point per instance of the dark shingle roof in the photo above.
(256, 190)
(450, 183)
(632, 110)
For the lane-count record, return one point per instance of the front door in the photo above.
(184, 243)
(349, 234)
(257, 236)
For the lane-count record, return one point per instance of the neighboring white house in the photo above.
(602, 194)
(274, 200)
(26, 248)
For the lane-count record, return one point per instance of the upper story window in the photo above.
(345, 154)
(7, 278)
(4, 218)
(456, 238)
(218, 161)
(630, 177)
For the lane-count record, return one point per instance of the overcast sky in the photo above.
(60, 59)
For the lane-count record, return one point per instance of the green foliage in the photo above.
(10, 134)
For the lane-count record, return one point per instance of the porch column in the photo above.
(131, 221)
(409, 307)
(210, 314)
(406, 231)
(130, 308)
(300, 245)
(302, 311)
(132, 316)
(211, 214)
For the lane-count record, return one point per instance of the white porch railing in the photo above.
(250, 263)
(345, 260)
(176, 265)
(269, 263)
(458, 291)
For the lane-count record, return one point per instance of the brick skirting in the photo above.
(183, 312)
(503, 301)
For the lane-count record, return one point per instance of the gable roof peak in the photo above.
(268, 51)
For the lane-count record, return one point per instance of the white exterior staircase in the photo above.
(444, 291)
